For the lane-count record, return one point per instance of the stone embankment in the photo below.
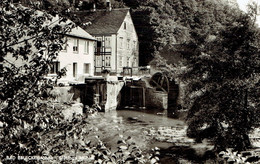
(176, 135)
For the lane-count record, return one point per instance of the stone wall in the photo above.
(78, 94)
(156, 99)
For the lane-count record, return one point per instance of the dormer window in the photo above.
(109, 8)
(76, 45)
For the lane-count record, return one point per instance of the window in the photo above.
(86, 47)
(98, 48)
(128, 44)
(107, 61)
(131, 27)
(99, 44)
(55, 67)
(134, 45)
(120, 61)
(99, 41)
(108, 42)
(128, 62)
(74, 69)
(124, 25)
(76, 45)
(86, 68)
(98, 61)
(135, 62)
(121, 42)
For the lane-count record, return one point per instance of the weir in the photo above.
(101, 91)
(112, 92)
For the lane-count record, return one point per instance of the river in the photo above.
(148, 129)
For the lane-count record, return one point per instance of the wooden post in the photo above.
(143, 97)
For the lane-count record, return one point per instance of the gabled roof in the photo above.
(80, 33)
(102, 21)
(75, 32)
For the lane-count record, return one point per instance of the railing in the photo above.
(129, 71)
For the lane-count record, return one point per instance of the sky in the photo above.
(243, 3)
(243, 6)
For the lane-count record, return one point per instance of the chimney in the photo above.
(94, 7)
(108, 4)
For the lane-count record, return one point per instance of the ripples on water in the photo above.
(137, 125)
(147, 129)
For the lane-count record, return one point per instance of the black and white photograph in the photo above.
(130, 81)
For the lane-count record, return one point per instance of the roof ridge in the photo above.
(97, 10)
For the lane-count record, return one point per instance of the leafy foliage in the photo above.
(166, 24)
(156, 25)
(58, 5)
(220, 67)
(34, 44)
(72, 141)
(223, 82)
(230, 155)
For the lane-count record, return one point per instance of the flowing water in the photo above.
(141, 126)
(148, 129)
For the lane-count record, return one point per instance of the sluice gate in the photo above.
(156, 92)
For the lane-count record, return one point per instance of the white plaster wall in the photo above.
(117, 50)
(68, 57)
(128, 33)
(113, 53)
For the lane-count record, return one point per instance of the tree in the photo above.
(163, 24)
(221, 53)
(223, 82)
(157, 26)
(26, 36)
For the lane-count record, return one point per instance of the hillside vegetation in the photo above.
(160, 24)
